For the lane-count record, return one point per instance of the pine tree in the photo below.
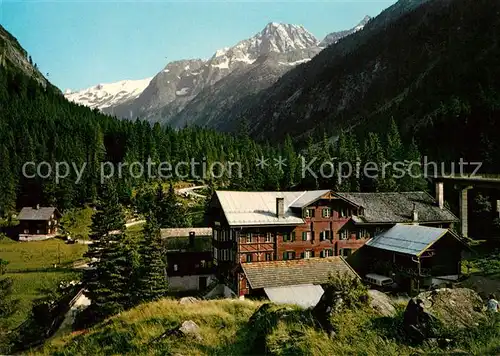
(170, 212)
(374, 158)
(108, 283)
(7, 185)
(152, 282)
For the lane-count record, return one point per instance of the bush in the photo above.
(353, 292)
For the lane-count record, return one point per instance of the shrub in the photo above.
(353, 292)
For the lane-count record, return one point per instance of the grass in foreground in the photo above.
(138, 331)
(232, 327)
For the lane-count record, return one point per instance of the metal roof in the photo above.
(259, 208)
(42, 213)
(305, 295)
(408, 239)
(308, 197)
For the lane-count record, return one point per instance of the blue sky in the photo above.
(84, 43)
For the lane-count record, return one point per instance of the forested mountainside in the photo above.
(433, 69)
(37, 124)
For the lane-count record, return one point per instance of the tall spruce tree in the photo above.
(152, 282)
(108, 283)
(170, 211)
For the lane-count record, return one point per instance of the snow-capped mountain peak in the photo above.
(108, 94)
(264, 57)
(280, 37)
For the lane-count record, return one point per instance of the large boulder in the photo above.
(431, 313)
(459, 307)
(188, 300)
(381, 303)
(190, 328)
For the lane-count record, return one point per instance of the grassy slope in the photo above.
(228, 329)
(134, 332)
(31, 268)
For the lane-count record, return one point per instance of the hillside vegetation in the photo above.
(432, 68)
(233, 327)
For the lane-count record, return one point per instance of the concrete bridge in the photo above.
(463, 184)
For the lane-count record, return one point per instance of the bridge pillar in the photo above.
(440, 194)
(464, 210)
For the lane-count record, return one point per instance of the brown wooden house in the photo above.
(189, 258)
(250, 227)
(38, 223)
(415, 256)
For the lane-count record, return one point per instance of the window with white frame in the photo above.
(324, 235)
(326, 212)
(249, 238)
(362, 233)
(269, 237)
(216, 234)
(309, 213)
(344, 234)
(307, 254)
(176, 268)
(327, 253)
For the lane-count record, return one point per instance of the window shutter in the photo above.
(312, 253)
(302, 255)
(284, 256)
(293, 235)
(304, 236)
(293, 255)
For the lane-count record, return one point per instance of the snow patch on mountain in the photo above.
(108, 94)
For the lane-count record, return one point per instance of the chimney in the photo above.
(440, 194)
(414, 214)
(280, 207)
(37, 207)
(192, 235)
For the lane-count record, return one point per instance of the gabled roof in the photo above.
(408, 239)
(294, 272)
(42, 213)
(397, 207)
(259, 208)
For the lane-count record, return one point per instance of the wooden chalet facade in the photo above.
(38, 223)
(189, 258)
(415, 256)
(252, 227)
